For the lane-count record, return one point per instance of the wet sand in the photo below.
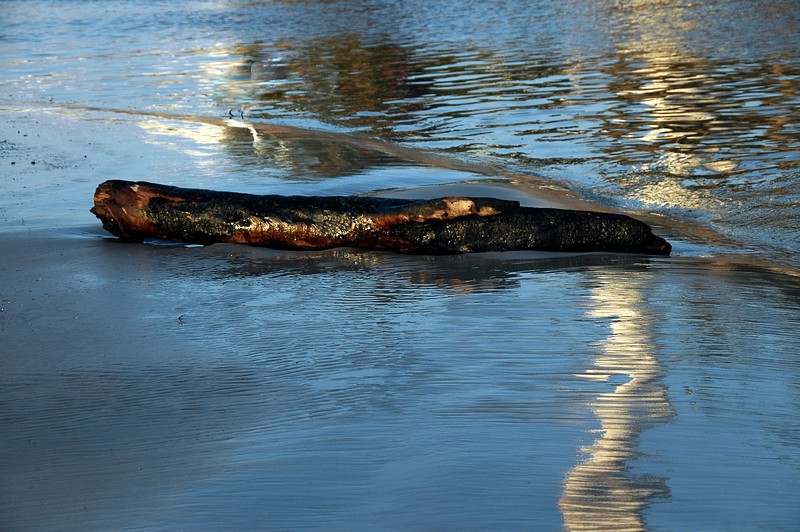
(163, 386)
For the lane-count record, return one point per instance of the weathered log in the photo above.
(135, 211)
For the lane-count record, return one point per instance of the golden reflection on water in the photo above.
(202, 134)
(680, 117)
(300, 153)
(598, 494)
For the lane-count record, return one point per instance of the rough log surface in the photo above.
(134, 211)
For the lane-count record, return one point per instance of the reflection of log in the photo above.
(135, 211)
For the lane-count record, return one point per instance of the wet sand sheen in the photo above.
(326, 384)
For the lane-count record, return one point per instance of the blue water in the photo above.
(224, 387)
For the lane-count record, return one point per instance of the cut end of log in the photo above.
(118, 205)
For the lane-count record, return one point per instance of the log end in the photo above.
(655, 245)
(120, 207)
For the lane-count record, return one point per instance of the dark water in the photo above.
(159, 387)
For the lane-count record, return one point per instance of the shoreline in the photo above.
(498, 182)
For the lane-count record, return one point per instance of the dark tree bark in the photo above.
(135, 211)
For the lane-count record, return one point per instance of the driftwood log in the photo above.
(134, 211)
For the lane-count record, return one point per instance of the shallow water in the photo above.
(346, 389)
(170, 387)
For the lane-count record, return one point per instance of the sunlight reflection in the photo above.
(673, 87)
(674, 192)
(202, 134)
(295, 152)
(598, 495)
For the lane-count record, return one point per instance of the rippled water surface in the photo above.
(169, 387)
(676, 107)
